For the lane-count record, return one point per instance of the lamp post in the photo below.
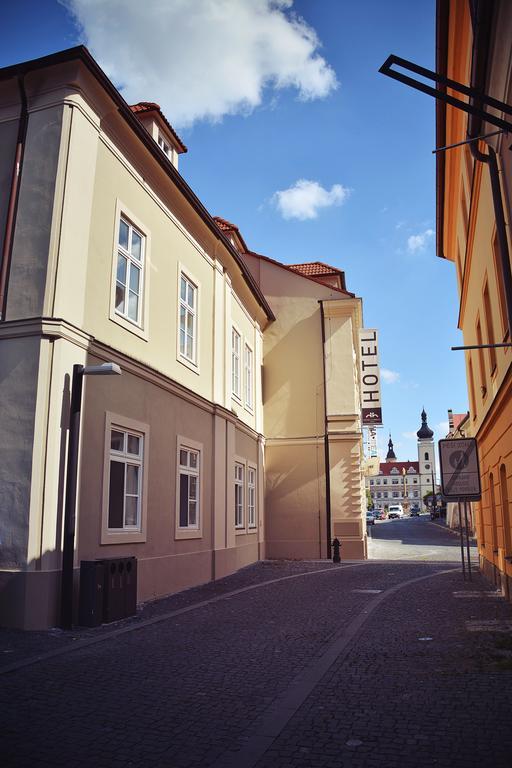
(68, 544)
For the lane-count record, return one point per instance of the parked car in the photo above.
(395, 511)
(415, 511)
(379, 514)
(370, 517)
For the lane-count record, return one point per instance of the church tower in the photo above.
(426, 458)
(390, 456)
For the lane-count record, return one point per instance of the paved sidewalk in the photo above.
(334, 664)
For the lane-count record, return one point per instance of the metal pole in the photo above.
(461, 543)
(68, 544)
(467, 537)
(327, 460)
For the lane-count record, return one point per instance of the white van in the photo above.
(395, 510)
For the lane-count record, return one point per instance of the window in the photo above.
(481, 362)
(251, 497)
(490, 329)
(248, 376)
(505, 510)
(395, 494)
(498, 269)
(394, 482)
(385, 482)
(426, 455)
(189, 467)
(371, 482)
(235, 362)
(188, 319)
(385, 494)
(415, 480)
(416, 494)
(165, 146)
(379, 495)
(239, 495)
(472, 387)
(125, 480)
(129, 272)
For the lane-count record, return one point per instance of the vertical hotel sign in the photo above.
(371, 407)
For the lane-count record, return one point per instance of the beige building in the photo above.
(108, 256)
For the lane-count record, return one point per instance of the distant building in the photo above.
(405, 482)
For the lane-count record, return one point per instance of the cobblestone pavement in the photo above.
(415, 538)
(360, 665)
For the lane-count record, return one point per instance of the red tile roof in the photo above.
(144, 107)
(458, 418)
(313, 268)
(387, 466)
(227, 226)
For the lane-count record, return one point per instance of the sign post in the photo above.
(460, 481)
(369, 373)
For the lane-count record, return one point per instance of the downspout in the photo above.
(326, 442)
(482, 18)
(13, 198)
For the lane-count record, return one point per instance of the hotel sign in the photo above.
(371, 407)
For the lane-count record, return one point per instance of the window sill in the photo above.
(188, 364)
(127, 325)
(123, 537)
(185, 533)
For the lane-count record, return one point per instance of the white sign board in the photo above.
(369, 372)
(460, 474)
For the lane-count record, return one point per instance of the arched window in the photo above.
(494, 528)
(426, 455)
(505, 510)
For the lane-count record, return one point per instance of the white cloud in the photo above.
(390, 377)
(443, 427)
(410, 435)
(419, 242)
(305, 198)
(206, 58)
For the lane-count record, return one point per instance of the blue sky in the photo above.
(286, 116)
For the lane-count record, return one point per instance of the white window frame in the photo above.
(190, 311)
(185, 444)
(140, 326)
(239, 489)
(165, 146)
(236, 364)
(252, 491)
(248, 376)
(126, 534)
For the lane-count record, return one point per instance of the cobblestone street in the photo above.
(283, 664)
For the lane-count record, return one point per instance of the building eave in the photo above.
(80, 53)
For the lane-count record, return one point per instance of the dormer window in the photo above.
(165, 146)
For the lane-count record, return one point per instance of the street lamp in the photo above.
(68, 544)
(434, 497)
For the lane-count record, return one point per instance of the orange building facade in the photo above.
(474, 181)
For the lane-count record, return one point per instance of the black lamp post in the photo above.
(434, 497)
(68, 544)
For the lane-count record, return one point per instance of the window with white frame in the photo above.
(188, 319)
(164, 146)
(125, 480)
(251, 497)
(239, 495)
(129, 272)
(248, 372)
(235, 362)
(189, 469)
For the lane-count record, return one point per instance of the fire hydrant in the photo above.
(336, 545)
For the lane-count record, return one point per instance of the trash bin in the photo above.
(90, 605)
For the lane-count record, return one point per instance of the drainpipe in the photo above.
(326, 442)
(482, 14)
(13, 198)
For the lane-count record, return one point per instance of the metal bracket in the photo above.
(442, 95)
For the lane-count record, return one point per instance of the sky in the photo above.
(294, 136)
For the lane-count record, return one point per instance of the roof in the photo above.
(232, 229)
(387, 466)
(299, 273)
(80, 53)
(312, 268)
(143, 107)
(458, 418)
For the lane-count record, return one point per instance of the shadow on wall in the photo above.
(293, 381)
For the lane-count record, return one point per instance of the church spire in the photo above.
(390, 456)
(424, 432)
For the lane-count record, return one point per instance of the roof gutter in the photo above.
(82, 54)
(482, 18)
(14, 193)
